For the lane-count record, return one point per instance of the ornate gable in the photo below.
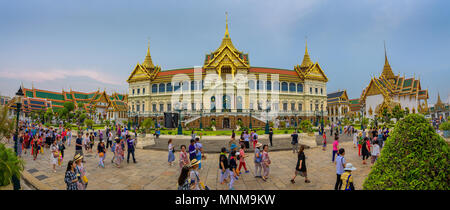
(226, 55)
(139, 74)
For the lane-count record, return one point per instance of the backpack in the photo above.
(258, 159)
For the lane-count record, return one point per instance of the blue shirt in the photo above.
(340, 162)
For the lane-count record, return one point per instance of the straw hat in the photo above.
(77, 157)
(258, 144)
(349, 167)
(194, 162)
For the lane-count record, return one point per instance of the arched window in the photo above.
(213, 103)
(268, 85)
(162, 88)
(193, 85)
(276, 86)
(176, 86)
(292, 87)
(251, 84)
(239, 103)
(185, 85)
(169, 87)
(154, 88)
(284, 86)
(260, 85)
(299, 88)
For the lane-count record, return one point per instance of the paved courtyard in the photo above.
(152, 172)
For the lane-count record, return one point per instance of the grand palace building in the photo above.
(227, 91)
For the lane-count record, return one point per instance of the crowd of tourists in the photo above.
(35, 139)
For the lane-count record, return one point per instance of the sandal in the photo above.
(292, 181)
(307, 181)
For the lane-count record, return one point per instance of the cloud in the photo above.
(51, 75)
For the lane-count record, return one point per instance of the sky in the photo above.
(90, 45)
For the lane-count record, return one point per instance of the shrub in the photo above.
(9, 165)
(445, 126)
(306, 126)
(414, 157)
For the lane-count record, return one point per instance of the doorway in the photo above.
(226, 122)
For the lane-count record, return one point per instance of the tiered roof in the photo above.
(339, 97)
(355, 105)
(38, 98)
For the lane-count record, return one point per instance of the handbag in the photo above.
(101, 154)
(85, 179)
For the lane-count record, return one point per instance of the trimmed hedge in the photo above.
(414, 157)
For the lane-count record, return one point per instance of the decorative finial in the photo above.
(227, 34)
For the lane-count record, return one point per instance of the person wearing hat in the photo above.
(80, 172)
(258, 159)
(347, 178)
(194, 175)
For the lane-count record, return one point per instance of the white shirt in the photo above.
(375, 150)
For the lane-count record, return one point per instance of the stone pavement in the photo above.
(152, 171)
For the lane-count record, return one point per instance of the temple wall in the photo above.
(372, 102)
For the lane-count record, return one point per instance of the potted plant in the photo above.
(10, 165)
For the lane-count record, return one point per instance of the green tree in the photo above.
(48, 116)
(397, 112)
(365, 121)
(386, 115)
(89, 123)
(148, 124)
(69, 106)
(414, 157)
(7, 125)
(62, 114)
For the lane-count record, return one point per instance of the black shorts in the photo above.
(247, 144)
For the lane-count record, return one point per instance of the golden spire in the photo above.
(387, 71)
(227, 34)
(306, 59)
(148, 63)
(439, 102)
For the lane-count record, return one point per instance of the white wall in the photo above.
(407, 102)
(372, 102)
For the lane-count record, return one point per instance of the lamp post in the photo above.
(321, 123)
(201, 115)
(250, 124)
(267, 121)
(295, 121)
(180, 129)
(19, 94)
